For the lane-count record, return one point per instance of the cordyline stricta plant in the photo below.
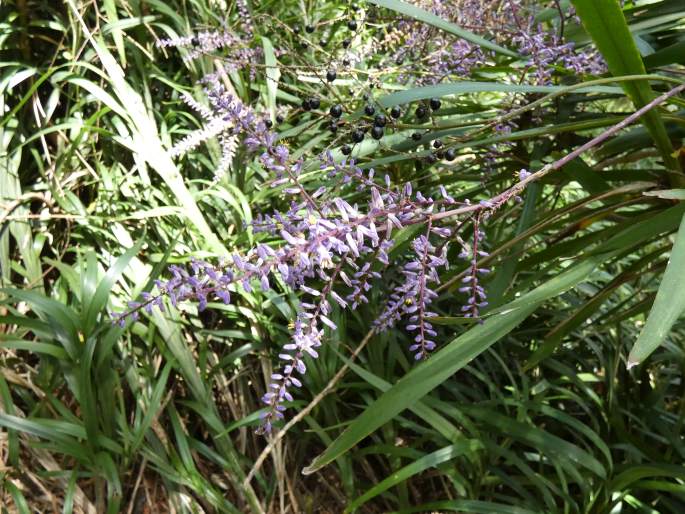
(348, 224)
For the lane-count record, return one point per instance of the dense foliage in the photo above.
(386, 256)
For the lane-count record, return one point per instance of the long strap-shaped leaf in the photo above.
(668, 306)
(145, 138)
(606, 25)
(428, 375)
(430, 460)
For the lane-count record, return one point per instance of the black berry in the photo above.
(435, 103)
(331, 75)
(369, 110)
(450, 154)
(346, 43)
(279, 118)
(396, 112)
(357, 136)
(421, 112)
(268, 123)
(416, 136)
(333, 127)
(297, 29)
(323, 42)
(437, 143)
(431, 158)
(314, 103)
(309, 29)
(352, 25)
(377, 132)
(380, 120)
(346, 150)
(346, 62)
(336, 111)
(306, 104)
(440, 154)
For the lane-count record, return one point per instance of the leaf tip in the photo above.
(309, 469)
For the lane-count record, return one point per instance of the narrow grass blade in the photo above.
(19, 500)
(427, 461)
(462, 88)
(145, 136)
(45, 430)
(273, 74)
(539, 439)
(471, 506)
(430, 416)
(98, 301)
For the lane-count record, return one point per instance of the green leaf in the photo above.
(431, 373)
(44, 429)
(539, 439)
(19, 501)
(153, 407)
(428, 415)
(99, 299)
(116, 31)
(639, 472)
(430, 18)
(633, 235)
(35, 347)
(507, 268)
(69, 493)
(272, 76)
(667, 194)
(462, 88)
(145, 138)
(427, 461)
(669, 303)
(473, 506)
(61, 319)
(607, 26)
(591, 181)
(669, 55)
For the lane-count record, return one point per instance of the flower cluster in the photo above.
(201, 283)
(320, 243)
(241, 54)
(427, 56)
(546, 52)
(477, 298)
(239, 51)
(325, 240)
(412, 298)
(337, 244)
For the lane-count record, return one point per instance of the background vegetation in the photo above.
(534, 411)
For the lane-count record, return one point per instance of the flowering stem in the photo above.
(474, 268)
(422, 289)
(503, 197)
